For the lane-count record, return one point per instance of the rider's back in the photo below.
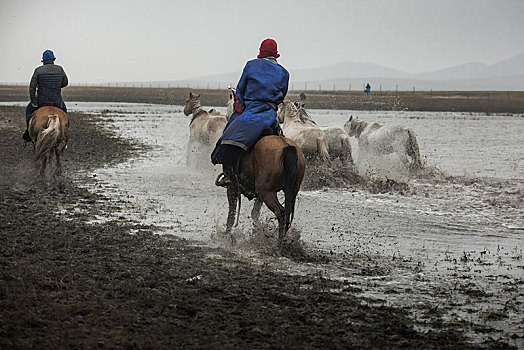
(49, 79)
(266, 81)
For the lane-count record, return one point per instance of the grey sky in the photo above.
(100, 41)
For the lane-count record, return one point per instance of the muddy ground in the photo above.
(65, 282)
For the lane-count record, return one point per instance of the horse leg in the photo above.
(271, 201)
(346, 152)
(232, 197)
(188, 152)
(43, 165)
(255, 213)
(58, 170)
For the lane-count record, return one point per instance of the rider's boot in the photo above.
(230, 167)
(223, 180)
(26, 136)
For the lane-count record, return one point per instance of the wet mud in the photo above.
(85, 263)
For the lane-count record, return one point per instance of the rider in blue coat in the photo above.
(261, 88)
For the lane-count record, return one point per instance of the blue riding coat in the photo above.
(262, 86)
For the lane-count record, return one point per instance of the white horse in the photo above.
(312, 141)
(382, 140)
(215, 112)
(204, 130)
(338, 139)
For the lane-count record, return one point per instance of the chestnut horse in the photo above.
(274, 164)
(49, 131)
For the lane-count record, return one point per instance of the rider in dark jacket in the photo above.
(45, 87)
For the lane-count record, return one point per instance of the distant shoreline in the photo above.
(445, 101)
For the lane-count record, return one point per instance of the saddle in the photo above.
(274, 129)
(47, 104)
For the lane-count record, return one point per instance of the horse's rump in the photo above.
(265, 163)
(48, 128)
(386, 139)
(49, 131)
(47, 138)
(313, 142)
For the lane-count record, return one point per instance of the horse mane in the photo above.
(195, 104)
(304, 116)
(198, 114)
(196, 107)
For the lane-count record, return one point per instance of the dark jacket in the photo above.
(46, 84)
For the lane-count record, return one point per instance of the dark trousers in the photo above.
(231, 160)
(29, 110)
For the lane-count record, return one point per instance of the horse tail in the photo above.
(47, 138)
(290, 162)
(323, 149)
(413, 151)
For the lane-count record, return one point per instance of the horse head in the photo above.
(288, 110)
(192, 103)
(354, 126)
(349, 126)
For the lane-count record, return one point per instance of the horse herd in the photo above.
(264, 171)
(324, 144)
(276, 163)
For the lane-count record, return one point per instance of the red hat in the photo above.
(268, 48)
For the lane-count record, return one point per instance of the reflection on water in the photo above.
(452, 245)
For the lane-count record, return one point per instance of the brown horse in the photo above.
(49, 131)
(274, 164)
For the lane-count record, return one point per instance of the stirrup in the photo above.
(222, 180)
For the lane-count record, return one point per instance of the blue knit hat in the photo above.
(48, 55)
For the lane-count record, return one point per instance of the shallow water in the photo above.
(449, 248)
